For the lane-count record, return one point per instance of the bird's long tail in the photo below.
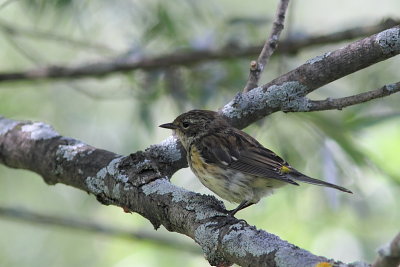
(305, 179)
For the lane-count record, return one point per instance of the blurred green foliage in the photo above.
(357, 147)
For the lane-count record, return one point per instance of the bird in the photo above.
(230, 162)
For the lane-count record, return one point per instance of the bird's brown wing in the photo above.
(239, 151)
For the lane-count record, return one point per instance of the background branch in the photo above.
(257, 67)
(294, 45)
(26, 216)
(182, 58)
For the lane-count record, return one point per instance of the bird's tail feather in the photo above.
(305, 179)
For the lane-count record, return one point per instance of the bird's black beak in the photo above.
(168, 126)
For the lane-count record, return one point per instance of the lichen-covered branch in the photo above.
(139, 183)
(287, 92)
(257, 67)
(184, 58)
(340, 103)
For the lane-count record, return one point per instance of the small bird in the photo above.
(231, 163)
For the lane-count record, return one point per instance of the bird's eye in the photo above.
(185, 124)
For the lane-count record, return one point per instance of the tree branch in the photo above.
(287, 92)
(139, 183)
(257, 67)
(181, 58)
(339, 103)
(76, 224)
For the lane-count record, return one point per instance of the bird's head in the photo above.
(194, 124)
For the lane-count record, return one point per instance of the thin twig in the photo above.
(76, 224)
(339, 103)
(257, 67)
(184, 58)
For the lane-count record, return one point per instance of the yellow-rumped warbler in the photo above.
(230, 162)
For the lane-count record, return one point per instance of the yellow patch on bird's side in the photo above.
(196, 161)
(323, 264)
(260, 182)
(285, 169)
